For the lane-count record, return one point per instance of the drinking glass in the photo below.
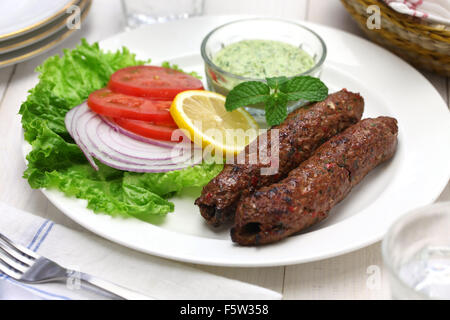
(416, 252)
(140, 12)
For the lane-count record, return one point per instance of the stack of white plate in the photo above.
(29, 27)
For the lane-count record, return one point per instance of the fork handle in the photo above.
(110, 288)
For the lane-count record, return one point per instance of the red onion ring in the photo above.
(109, 145)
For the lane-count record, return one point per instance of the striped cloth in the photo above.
(437, 11)
(82, 251)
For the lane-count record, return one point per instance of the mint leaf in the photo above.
(247, 93)
(275, 82)
(276, 94)
(276, 108)
(304, 87)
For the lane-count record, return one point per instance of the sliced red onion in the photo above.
(135, 136)
(68, 120)
(108, 144)
(75, 136)
(128, 146)
(99, 135)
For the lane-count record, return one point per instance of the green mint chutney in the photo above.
(263, 59)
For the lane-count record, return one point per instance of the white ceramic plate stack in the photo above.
(29, 27)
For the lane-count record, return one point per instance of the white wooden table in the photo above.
(357, 275)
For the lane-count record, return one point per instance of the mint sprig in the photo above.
(306, 88)
(276, 108)
(276, 94)
(247, 93)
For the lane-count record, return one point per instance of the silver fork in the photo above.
(27, 266)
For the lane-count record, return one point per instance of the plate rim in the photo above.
(58, 39)
(361, 244)
(46, 32)
(24, 30)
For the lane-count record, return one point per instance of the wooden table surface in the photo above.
(357, 275)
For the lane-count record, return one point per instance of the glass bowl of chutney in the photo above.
(258, 48)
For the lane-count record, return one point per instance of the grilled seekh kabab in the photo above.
(310, 191)
(300, 134)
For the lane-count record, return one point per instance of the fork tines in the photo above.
(15, 259)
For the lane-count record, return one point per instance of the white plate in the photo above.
(414, 177)
(26, 15)
(50, 39)
(40, 33)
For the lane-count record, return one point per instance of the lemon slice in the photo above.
(202, 113)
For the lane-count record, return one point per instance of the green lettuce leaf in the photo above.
(56, 162)
(169, 183)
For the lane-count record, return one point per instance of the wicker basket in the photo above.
(423, 44)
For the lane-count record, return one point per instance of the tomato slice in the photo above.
(147, 129)
(117, 105)
(152, 82)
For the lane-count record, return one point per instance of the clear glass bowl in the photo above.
(286, 31)
(416, 253)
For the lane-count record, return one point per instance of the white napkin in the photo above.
(85, 252)
(437, 11)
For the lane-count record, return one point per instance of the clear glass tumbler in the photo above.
(140, 12)
(416, 252)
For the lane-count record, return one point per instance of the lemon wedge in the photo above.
(202, 113)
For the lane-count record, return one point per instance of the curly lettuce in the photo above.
(56, 162)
